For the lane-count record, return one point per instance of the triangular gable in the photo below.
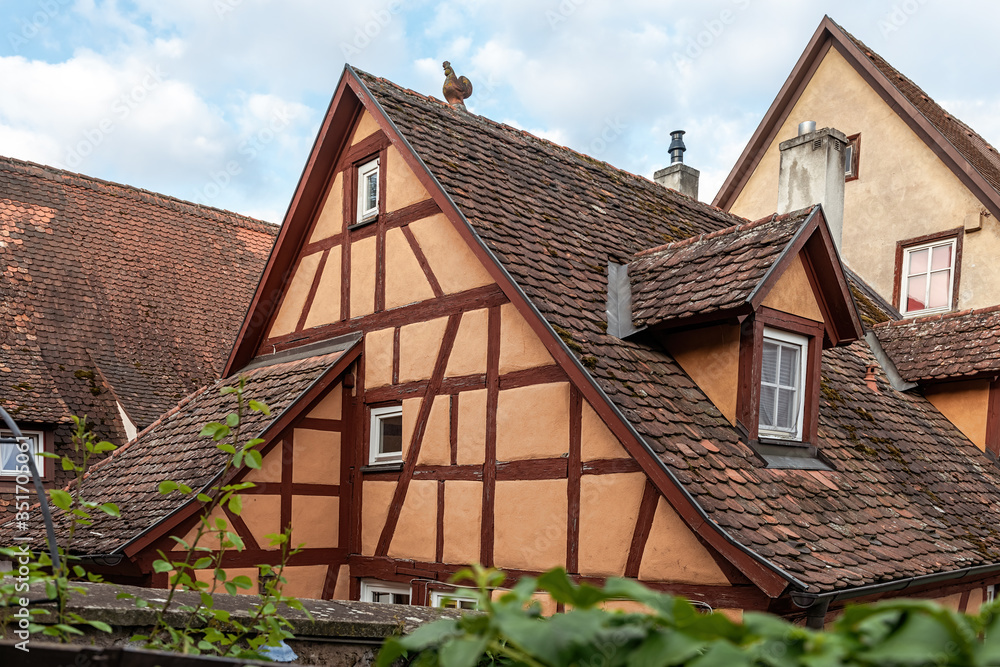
(963, 163)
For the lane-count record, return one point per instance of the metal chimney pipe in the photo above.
(677, 147)
(806, 127)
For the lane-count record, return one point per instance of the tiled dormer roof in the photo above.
(944, 347)
(710, 273)
(106, 285)
(908, 495)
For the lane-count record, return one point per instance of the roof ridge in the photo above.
(920, 319)
(92, 182)
(498, 125)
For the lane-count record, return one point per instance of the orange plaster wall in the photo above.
(402, 185)
(463, 516)
(418, 348)
(365, 128)
(950, 601)
(734, 615)
(609, 506)
(472, 427)
(231, 573)
(405, 281)
(452, 262)
(262, 515)
(794, 294)
(316, 457)
(468, 355)
(411, 410)
(710, 356)
(331, 406)
(533, 422)
(304, 581)
(331, 218)
(316, 521)
(530, 524)
(674, 554)
(325, 307)
(378, 357)
(270, 468)
(295, 296)
(216, 514)
(520, 348)
(416, 532)
(965, 404)
(597, 440)
(376, 497)
(342, 591)
(975, 601)
(363, 277)
(436, 446)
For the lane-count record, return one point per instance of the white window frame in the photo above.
(370, 586)
(459, 595)
(364, 211)
(375, 454)
(904, 277)
(38, 446)
(802, 342)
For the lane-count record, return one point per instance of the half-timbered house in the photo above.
(479, 346)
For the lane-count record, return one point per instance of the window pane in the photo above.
(918, 261)
(940, 281)
(941, 257)
(391, 441)
(786, 410)
(848, 159)
(916, 293)
(769, 364)
(371, 190)
(789, 366)
(767, 406)
(8, 454)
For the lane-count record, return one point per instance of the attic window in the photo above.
(852, 153)
(927, 272)
(368, 178)
(14, 456)
(782, 378)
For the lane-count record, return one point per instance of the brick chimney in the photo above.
(812, 172)
(678, 176)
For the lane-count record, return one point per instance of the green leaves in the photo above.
(60, 499)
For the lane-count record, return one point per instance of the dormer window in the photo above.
(14, 456)
(368, 194)
(782, 378)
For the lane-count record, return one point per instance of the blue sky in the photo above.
(218, 101)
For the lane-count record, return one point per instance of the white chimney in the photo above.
(678, 176)
(812, 172)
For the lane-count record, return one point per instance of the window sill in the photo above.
(924, 313)
(392, 466)
(363, 223)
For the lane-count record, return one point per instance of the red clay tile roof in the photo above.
(981, 155)
(171, 448)
(944, 347)
(710, 273)
(105, 284)
(909, 494)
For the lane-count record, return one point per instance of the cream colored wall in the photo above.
(674, 554)
(609, 506)
(793, 293)
(904, 190)
(965, 404)
(710, 356)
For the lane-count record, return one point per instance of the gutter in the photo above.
(510, 279)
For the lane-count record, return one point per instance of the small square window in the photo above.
(928, 277)
(852, 153)
(13, 456)
(368, 190)
(458, 599)
(386, 443)
(385, 592)
(782, 379)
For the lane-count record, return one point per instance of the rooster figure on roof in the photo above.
(456, 88)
